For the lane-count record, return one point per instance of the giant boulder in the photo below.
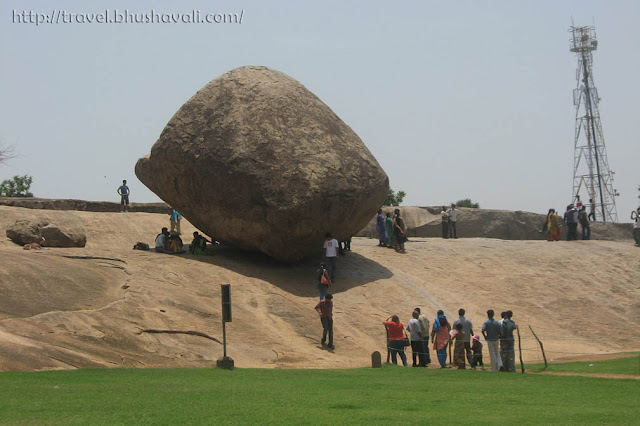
(256, 160)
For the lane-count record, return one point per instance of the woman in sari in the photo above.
(388, 222)
(458, 348)
(553, 225)
(440, 338)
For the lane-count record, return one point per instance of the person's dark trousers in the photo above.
(327, 328)
(416, 353)
(467, 350)
(425, 350)
(574, 231)
(592, 215)
(445, 229)
(452, 230)
(508, 355)
(476, 360)
(586, 232)
(331, 266)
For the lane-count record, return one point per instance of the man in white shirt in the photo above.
(453, 219)
(445, 222)
(417, 347)
(424, 331)
(161, 241)
(331, 254)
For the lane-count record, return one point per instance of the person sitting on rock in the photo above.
(199, 244)
(175, 243)
(162, 240)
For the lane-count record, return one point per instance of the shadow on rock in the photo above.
(299, 278)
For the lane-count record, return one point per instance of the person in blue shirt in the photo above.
(124, 192)
(175, 220)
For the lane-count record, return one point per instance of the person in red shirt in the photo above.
(395, 330)
(325, 309)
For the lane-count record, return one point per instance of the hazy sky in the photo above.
(454, 99)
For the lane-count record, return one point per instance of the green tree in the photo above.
(467, 203)
(394, 198)
(17, 187)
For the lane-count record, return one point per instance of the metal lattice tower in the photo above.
(591, 171)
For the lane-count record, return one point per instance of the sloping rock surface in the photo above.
(257, 161)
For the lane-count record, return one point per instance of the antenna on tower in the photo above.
(591, 171)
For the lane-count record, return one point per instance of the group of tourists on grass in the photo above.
(467, 346)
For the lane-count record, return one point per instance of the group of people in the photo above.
(467, 346)
(392, 231)
(170, 242)
(449, 220)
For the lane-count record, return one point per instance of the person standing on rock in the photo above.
(400, 230)
(123, 192)
(381, 228)
(583, 218)
(571, 220)
(453, 220)
(507, 343)
(323, 281)
(445, 222)
(467, 328)
(553, 225)
(635, 216)
(175, 218)
(592, 210)
(491, 333)
(325, 309)
(331, 254)
(388, 222)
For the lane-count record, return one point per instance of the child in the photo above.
(476, 347)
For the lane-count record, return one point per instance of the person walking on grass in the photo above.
(467, 328)
(507, 343)
(424, 335)
(395, 330)
(325, 310)
(491, 332)
(123, 192)
(444, 217)
(417, 349)
(440, 337)
(331, 248)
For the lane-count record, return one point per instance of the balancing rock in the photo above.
(257, 161)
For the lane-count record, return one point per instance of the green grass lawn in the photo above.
(391, 395)
(629, 365)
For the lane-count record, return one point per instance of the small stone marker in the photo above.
(225, 362)
(376, 360)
